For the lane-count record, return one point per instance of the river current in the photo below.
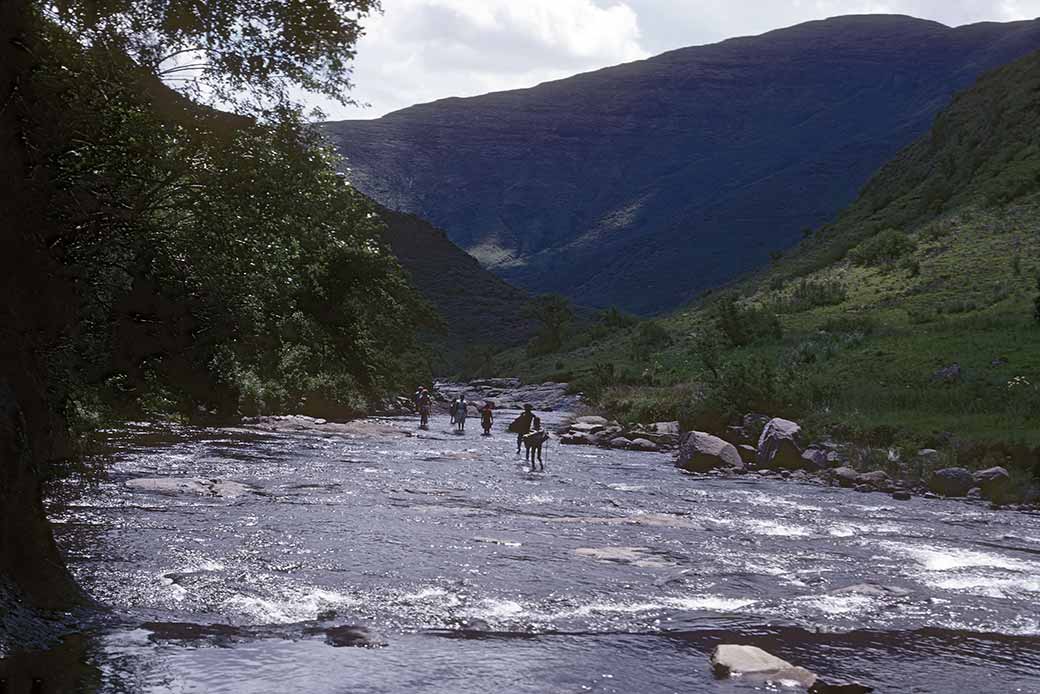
(611, 572)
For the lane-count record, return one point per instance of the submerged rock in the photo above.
(878, 479)
(873, 589)
(730, 660)
(644, 445)
(951, 481)
(201, 487)
(845, 476)
(779, 446)
(700, 452)
(822, 686)
(353, 637)
(901, 495)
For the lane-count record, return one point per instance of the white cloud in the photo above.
(421, 50)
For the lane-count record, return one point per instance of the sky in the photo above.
(421, 50)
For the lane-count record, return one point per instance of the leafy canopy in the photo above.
(237, 51)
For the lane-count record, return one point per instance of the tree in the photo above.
(234, 51)
(617, 319)
(553, 312)
(707, 348)
(1036, 302)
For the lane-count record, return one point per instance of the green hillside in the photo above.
(909, 321)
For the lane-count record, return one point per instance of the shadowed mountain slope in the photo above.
(475, 306)
(642, 184)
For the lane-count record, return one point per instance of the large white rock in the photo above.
(186, 485)
(730, 660)
(701, 452)
(779, 446)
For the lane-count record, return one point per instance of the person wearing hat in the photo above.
(521, 426)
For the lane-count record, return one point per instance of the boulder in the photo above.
(597, 421)
(747, 453)
(948, 374)
(576, 440)
(994, 482)
(779, 447)
(620, 442)
(845, 476)
(815, 459)
(951, 481)
(353, 636)
(700, 452)
(587, 428)
(729, 660)
(643, 445)
(878, 479)
(666, 428)
(901, 495)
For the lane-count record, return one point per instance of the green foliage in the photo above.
(553, 313)
(708, 350)
(744, 325)
(1036, 302)
(650, 337)
(229, 252)
(809, 294)
(232, 50)
(617, 319)
(886, 247)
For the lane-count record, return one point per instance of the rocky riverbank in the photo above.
(781, 450)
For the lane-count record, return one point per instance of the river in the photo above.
(611, 572)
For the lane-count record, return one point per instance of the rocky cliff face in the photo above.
(641, 184)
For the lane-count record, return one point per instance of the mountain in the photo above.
(910, 322)
(476, 307)
(642, 184)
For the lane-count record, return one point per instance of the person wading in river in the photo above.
(487, 418)
(424, 404)
(533, 442)
(522, 426)
(459, 413)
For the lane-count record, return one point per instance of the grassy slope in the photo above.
(865, 367)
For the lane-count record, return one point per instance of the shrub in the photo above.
(810, 294)
(846, 324)
(745, 325)
(1036, 302)
(887, 246)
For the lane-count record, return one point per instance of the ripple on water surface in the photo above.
(610, 572)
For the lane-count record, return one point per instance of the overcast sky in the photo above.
(421, 50)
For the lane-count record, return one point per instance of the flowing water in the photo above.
(610, 572)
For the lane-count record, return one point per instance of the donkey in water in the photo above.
(533, 443)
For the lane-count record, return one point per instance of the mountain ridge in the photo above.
(644, 183)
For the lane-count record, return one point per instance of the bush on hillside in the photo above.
(1036, 303)
(650, 337)
(742, 325)
(809, 294)
(886, 247)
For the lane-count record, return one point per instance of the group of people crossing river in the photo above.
(528, 426)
